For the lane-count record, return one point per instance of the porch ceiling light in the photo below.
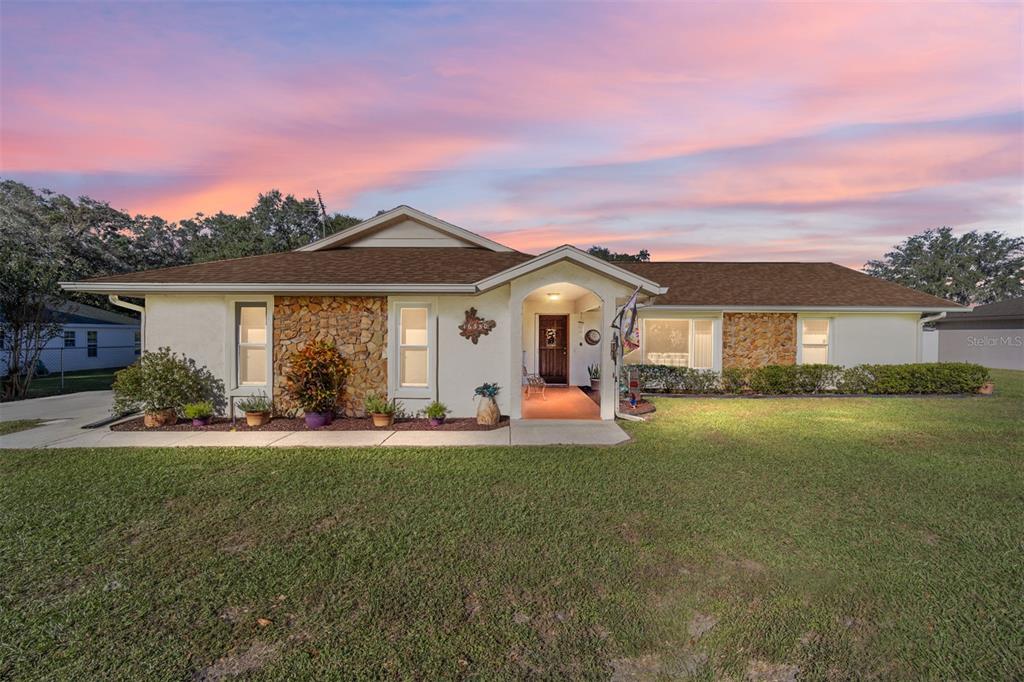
(554, 296)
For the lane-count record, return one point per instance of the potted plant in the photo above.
(380, 409)
(595, 376)
(200, 413)
(487, 412)
(436, 413)
(314, 379)
(257, 409)
(161, 383)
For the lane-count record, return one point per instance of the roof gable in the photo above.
(567, 252)
(404, 226)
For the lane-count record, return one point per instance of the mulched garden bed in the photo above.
(642, 407)
(286, 424)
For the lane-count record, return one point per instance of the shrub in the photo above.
(200, 410)
(164, 380)
(315, 376)
(794, 379)
(927, 377)
(256, 403)
(736, 379)
(436, 410)
(773, 380)
(669, 379)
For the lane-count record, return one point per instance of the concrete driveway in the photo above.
(65, 415)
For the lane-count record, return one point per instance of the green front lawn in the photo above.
(845, 538)
(18, 425)
(74, 382)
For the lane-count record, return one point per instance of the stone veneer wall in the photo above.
(357, 325)
(758, 339)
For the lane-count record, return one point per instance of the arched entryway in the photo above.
(563, 330)
(562, 341)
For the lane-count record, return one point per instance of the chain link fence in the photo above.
(70, 369)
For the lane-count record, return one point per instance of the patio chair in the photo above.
(533, 383)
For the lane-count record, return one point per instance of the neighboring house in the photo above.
(87, 338)
(990, 335)
(393, 291)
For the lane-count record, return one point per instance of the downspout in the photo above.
(920, 331)
(116, 300)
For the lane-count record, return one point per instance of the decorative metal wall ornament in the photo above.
(474, 327)
(592, 337)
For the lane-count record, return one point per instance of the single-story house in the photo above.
(427, 310)
(86, 338)
(991, 335)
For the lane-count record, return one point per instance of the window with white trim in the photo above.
(678, 343)
(814, 335)
(413, 347)
(69, 338)
(251, 344)
(91, 344)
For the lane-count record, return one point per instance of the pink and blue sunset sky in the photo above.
(725, 131)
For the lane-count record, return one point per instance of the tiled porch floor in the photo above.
(560, 402)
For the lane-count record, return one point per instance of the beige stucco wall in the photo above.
(887, 339)
(196, 326)
(462, 365)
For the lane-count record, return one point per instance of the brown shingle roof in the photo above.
(777, 284)
(390, 265)
(699, 284)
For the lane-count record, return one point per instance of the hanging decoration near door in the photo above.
(474, 327)
(551, 337)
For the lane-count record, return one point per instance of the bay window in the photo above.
(251, 344)
(814, 335)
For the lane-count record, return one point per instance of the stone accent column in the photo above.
(758, 339)
(358, 327)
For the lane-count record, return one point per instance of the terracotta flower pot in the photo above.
(383, 420)
(316, 420)
(257, 418)
(987, 388)
(487, 413)
(157, 418)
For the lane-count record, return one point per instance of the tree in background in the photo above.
(643, 255)
(46, 238)
(32, 260)
(973, 269)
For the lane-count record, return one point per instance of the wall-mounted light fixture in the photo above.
(554, 296)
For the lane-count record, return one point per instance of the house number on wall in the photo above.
(474, 327)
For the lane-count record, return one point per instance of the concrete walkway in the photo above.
(68, 413)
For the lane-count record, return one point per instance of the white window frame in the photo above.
(234, 320)
(70, 335)
(690, 345)
(800, 338)
(395, 346)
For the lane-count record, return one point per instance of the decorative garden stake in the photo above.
(474, 327)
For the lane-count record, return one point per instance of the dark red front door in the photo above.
(553, 348)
